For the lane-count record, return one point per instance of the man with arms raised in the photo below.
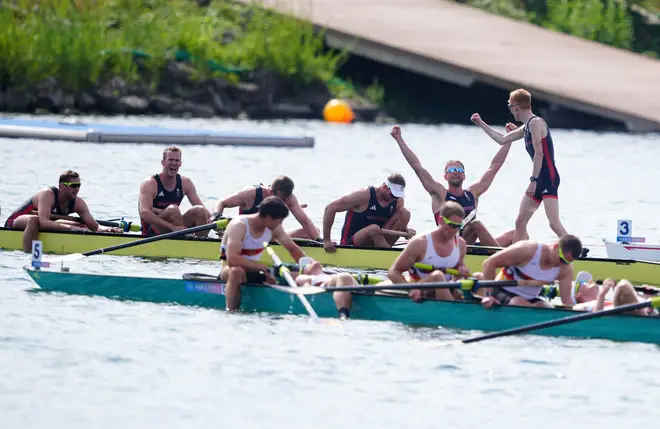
(372, 214)
(455, 175)
(242, 245)
(59, 200)
(544, 181)
(161, 195)
(441, 248)
(248, 201)
(529, 260)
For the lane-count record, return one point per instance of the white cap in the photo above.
(303, 262)
(397, 190)
(581, 278)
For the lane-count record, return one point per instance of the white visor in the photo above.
(303, 262)
(581, 278)
(397, 190)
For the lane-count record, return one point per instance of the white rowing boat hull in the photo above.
(640, 252)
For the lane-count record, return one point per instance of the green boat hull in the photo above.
(204, 291)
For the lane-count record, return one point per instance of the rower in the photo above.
(248, 201)
(160, 197)
(59, 200)
(455, 175)
(529, 260)
(589, 296)
(311, 274)
(242, 245)
(441, 248)
(375, 217)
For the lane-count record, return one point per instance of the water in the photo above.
(84, 362)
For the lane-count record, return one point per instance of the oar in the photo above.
(653, 302)
(77, 256)
(469, 218)
(100, 222)
(284, 272)
(468, 285)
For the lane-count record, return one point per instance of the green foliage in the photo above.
(81, 42)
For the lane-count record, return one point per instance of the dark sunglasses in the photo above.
(454, 170)
(74, 185)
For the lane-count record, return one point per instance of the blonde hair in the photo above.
(171, 149)
(451, 208)
(521, 98)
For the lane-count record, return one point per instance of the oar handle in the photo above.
(77, 219)
(219, 224)
(429, 268)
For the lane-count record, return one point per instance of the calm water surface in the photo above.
(81, 362)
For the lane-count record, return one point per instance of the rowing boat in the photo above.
(646, 252)
(205, 291)
(639, 272)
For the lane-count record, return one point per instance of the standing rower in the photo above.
(375, 217)
(544, 181)
(455, 175)
(60, 200)
(248, 201)
(242, 245)
(441, 248)
(161, 195)
(529, 260)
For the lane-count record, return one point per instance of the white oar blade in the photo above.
(54, 259)
(303, 290)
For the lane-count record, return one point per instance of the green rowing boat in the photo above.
(205, 291)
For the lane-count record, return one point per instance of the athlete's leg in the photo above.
(196, 216)
(400, 223)
(370, 236)
(300, 233)
(343, 300)
(30, 226)
(476, 230)
(551, 206)
(505, 239)
(528, 206)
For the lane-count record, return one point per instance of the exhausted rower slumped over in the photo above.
(248, 201)
(60, 200)
(242, 245)
(160, 197)
(530, 260)
(455, 175)
(441, 248)
(371, 215)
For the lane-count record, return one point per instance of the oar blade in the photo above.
(306, 290)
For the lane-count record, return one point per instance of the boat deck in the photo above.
(464, 45)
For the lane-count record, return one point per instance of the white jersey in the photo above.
(319, 279)
(531, 271)
(432, 258)
(252, 246)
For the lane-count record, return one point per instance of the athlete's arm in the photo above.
(410, 254)
(302, 218)
(434, 188)
(518, 253)
(81, 208)
(498, 137)
(481, 186)
(45, 202)
(398, 211)
(235, 233)
(355, 200)
(239, 199)
(565, 279)
(285, 240)
(461, 267)
(190, 191)
(536, 128)
(148, 190)
(600, 300)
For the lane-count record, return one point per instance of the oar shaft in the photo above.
(214, 225)
(468, 284)
(654, 302)
(79, 220)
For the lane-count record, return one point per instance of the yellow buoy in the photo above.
(338, 111)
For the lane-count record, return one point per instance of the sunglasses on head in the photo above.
(450, 223)
(561, 256)
(455, 170)
(72, 184)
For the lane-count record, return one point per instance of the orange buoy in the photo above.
(338, 111)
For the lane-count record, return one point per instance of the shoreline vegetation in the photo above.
(179, 57)
(633, 25)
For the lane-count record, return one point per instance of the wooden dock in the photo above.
(463, 45)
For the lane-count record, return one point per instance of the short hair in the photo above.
(397, 178)
(454, 161)
(68, 175)
(521, 97)
(274, 207)
(571, 244)
(171, 149)
(451, 208)
(283, 185)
